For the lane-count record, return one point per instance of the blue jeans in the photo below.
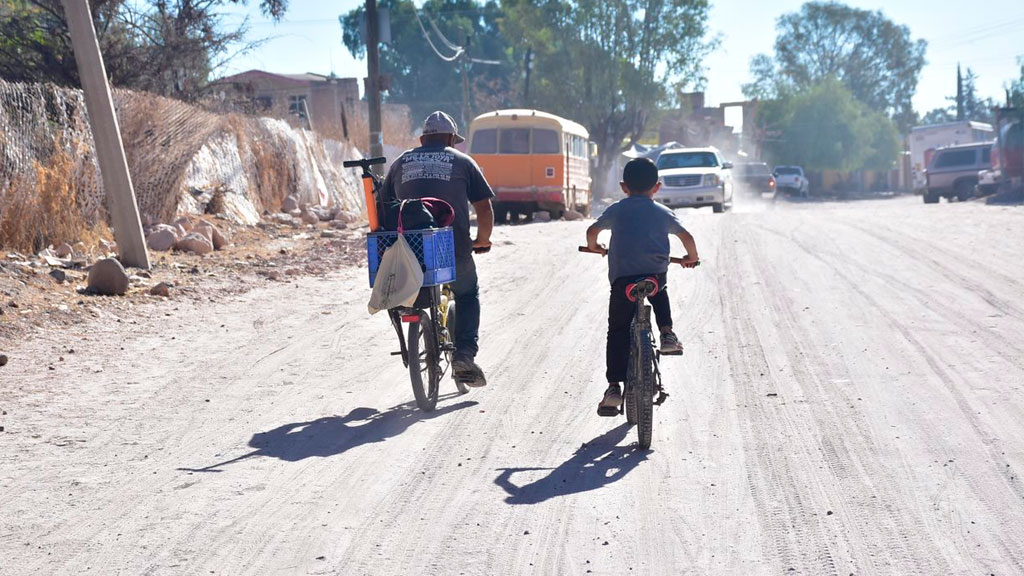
(467, 308)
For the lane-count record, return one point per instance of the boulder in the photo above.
(573, 215)
(162, 238)
(59, 276)
(542, 216)
(205, 228)
(322, 213)
(290, 204)
(347, 216)
(64, 250)
(196, 243)
(184, 224)
(107, 277)
(161, 289)
(308, 217)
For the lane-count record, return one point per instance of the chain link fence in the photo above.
(179, 155)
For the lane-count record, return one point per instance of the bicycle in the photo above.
(643, 377)
(428, 346)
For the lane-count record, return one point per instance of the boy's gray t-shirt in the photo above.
(640, 229)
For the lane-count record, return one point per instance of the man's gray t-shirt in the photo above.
(640, 230)
(440, 172)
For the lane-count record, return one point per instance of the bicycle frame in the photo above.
(440, 298)
(640, 327)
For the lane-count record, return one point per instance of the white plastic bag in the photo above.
(399, 278)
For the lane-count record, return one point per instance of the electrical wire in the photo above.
(458, 53)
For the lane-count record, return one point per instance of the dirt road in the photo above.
(851, 401)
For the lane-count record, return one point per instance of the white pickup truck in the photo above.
(791, 180)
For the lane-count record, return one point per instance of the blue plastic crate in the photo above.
(434, 248)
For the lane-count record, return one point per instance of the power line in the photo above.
(459, 51)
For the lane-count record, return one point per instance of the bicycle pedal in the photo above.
(399, 353)
(662, 396)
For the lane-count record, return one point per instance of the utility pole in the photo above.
(464, 60)
(373, 81)
(117, 182)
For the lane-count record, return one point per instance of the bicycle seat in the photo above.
(642, 288)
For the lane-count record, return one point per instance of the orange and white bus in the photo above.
(533, 160)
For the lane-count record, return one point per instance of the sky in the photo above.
(309, 40)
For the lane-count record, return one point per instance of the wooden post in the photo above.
(117, 182)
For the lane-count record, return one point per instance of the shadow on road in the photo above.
(333, 435)
(598, 463)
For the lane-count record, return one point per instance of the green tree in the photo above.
(609, 64)
(426, 81)
(976, 108)
(826, 128)
(1016, 87)
(874, 57)
(169, 47)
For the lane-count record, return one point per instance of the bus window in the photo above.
(485, 142)
(514, 141)
(545, 142)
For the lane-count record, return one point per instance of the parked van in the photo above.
(953, 171)
(534, 161)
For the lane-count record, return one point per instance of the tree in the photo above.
(609, 64)
(1015, 91)
(826, 128)
(422, 79)
(872, 56)
(162, 46)
(975, 107)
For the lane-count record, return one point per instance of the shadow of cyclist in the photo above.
(333, 435)
(597, 463)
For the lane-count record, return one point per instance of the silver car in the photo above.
(694, 178)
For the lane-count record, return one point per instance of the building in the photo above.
(318, 101)
(695, 124)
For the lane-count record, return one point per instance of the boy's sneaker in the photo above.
(670, 345)
(466, 371)
(609, 405)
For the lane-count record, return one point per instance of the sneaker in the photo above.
(670, 345)
(609, 405)
(467, 372)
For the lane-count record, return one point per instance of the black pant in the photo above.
(620, 316)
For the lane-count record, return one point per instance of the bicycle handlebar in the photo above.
(672, 259)
(364, 163)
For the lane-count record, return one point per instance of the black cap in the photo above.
(640, 174)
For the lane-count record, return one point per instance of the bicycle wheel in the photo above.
(463, 389)
(628, 397)
(424, 362)
(644, 391)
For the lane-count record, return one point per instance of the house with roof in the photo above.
(318, 101)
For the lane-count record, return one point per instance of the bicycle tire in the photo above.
(628, 392)
(450, 327)
(644, 391)
(424, 362)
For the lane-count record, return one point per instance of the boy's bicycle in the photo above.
(427, 346)
(643, 379)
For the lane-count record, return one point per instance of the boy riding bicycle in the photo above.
(639, 248)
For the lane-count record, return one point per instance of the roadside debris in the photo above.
(108, 277)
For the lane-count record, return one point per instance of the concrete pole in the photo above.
(117, 182)
(373, 82)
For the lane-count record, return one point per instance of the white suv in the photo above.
(693, 178)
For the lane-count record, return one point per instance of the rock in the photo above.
(108, 277)
(3, 360)
(184, 224)
(161, 289)
(322, 213)
(338, 225)
(220, 238)
(328, 234)
(573, 215)
(347, 216)
(542, 216)
(79, 248)
(308, 217)
(64, 250)
(59, 275)
(196, 243)
(205, 228)
(162, 238)
(285, 219)
(108, 246)
(290, 204)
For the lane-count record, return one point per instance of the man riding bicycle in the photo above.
(437, 170)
